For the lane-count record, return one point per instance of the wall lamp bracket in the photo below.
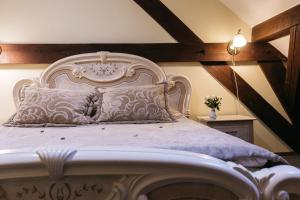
(233, 50)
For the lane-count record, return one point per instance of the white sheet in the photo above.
(186, 135)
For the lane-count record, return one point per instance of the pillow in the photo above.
(45, 106)
(137, 104)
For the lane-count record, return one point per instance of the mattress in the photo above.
(183, 135)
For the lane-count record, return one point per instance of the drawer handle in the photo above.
(231, 132)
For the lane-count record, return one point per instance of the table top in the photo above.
(226, 118)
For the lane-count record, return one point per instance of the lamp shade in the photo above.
(239, 41)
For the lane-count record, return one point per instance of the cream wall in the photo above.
(72, 21)
(77, 21)
(9, 75)
(209, 19)
(282, 44)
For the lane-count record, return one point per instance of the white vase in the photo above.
(213, 114)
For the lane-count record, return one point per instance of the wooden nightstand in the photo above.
(237, 125)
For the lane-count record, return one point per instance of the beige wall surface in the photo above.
(77, 21)
(104, 21)
(282, 44)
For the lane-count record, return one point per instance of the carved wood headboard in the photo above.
(106, 69)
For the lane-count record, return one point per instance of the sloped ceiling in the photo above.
(254, 12)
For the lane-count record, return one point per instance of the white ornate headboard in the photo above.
(106, 69)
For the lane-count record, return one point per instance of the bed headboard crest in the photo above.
(106, 69)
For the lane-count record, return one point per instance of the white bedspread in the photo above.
(186, 135)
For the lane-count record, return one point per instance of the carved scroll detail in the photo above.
(261, 183)
(122, 188)
(54, 160)
(270, 181)
(283, 195)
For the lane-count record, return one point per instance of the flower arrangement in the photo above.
(213, 102)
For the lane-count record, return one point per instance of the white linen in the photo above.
(186, 135)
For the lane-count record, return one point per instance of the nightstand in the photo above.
(236, 125)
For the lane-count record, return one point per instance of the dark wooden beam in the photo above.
(277, 26)
(256, 103)
(251, 52)
(48, 53)
(169, 21)
(293, 70)
(297, 107)
(275, 73)
(294, 92)
(159, 52)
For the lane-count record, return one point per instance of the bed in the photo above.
(182, 160)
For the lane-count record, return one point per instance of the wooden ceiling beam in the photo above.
(158, 52)
(293, 73)
(275, 73)
(49, 53)
(169, 21)
(276, 26)
(251, 52)
(256, 103)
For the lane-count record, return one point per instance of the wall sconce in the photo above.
(236, 43)
(0, 50)
(233, 49)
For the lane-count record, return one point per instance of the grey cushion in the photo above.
(138, 104)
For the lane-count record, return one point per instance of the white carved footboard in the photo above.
(125, 173)
(283, 182)
(111, 173)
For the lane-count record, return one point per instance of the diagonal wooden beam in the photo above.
(293, 73)
(169, 21)
(275, 73)
(277, 26)
(256, 103)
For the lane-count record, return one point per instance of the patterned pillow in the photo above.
(138, 104)
(54, 107)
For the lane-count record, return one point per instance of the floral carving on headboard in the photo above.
(101, 72)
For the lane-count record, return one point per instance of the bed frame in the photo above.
(67, 173)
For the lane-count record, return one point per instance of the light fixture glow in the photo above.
(234, 45)
(239, 40)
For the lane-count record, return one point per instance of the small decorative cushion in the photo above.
(45, 106)
(139, 104)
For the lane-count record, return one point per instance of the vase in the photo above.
(213, 114)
